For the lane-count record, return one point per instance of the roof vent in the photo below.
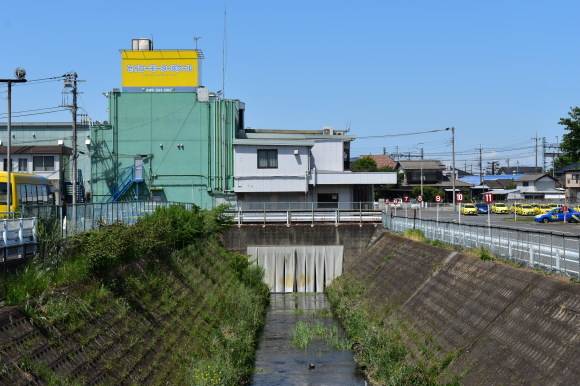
(142, 45)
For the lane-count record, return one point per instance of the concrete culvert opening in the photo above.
(303, 268)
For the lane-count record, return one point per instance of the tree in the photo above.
(429, 193)
(570, 145)
(364, 164)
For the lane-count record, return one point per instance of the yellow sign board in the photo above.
(172, 70)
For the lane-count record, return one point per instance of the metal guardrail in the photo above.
(19, 238)
(553, 252)
(289, 217)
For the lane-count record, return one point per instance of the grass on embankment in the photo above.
(386, 348)
(158, 302)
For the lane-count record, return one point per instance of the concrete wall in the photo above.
(515, 326)
(354, 238)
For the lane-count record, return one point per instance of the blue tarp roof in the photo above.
(475, 179)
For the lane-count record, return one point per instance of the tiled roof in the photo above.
(382, 160)
(425, 164)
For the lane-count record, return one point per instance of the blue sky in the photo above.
(498, 71)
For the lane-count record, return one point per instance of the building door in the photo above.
(138, 169)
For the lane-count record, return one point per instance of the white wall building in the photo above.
(293, 169)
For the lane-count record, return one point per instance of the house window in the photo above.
(43, 163)
(5, 165)
(23, 165)
(575, 177)
(267, 158)
(525, 183)
(328, 200)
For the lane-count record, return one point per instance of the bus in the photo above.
(25, 189)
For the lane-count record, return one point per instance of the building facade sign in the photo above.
(160, 71)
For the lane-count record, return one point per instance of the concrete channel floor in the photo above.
(279, 363)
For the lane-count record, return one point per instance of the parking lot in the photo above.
(497, 220)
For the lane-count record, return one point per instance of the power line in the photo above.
(400, 135)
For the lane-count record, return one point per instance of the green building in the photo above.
(166, 139)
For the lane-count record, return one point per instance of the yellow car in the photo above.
(577, 208)
(500, 207)
(536, 207)
(469, 209)
(515, 206)
(545, 208)
(526, 210)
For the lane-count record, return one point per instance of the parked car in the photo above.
(536, 207)
(500, 207)
(515, 206)
(545, 208)
(526, 210)
(469, 209)
(577, 208)
(558, 214)
(481, 207)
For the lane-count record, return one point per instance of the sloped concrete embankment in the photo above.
(152, 322)
(514, 326)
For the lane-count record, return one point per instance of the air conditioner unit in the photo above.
(61, 142)
(327, 130)
(87, 142)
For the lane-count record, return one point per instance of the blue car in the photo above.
(481, 208)
(558, 215)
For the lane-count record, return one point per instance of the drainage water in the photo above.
(279, 362)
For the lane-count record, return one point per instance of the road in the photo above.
(501, 220)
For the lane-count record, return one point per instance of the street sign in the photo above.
(405, 198)
(488, 198)
(438, 199)
(564, 208)
(395, 201)
(459, 197)
(387, 201)
(419, 198)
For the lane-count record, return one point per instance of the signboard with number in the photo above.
(459, 197)
(395, 201)
(438, 199)
(564, 208)
(419, 198)
(387, 201)
(405, 198)
(488, 197)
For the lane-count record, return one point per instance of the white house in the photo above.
(538, 186)
(300, 169)
(50, 161)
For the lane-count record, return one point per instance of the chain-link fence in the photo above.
(553, 252)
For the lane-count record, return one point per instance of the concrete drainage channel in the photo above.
(282, 359)
(302, 343)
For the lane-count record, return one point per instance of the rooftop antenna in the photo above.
(196, 38)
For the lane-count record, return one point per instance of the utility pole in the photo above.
(20, 75)
(480, 165)
(453, 164)
(543, 154)
(421, 172)
(74, 138)
(536, 139)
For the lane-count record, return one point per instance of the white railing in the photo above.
(306, 212)
(553, 252)
(19, 238)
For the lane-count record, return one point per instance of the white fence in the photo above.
(552, 252)
(18, 238)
